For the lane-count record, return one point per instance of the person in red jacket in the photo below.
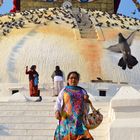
(33, 80)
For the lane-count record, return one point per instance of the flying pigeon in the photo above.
(127, 60)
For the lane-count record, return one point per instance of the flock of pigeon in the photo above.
(36, 16)
(61, 15)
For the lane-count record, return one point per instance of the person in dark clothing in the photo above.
(58, 80)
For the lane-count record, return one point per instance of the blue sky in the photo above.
(6, 7)
(126, 7)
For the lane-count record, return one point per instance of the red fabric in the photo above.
(14, 7)
(33, 89)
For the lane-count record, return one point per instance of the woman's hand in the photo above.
(58, 115)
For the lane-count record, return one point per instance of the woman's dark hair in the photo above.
(57, 68)
(74, 72)
(33, 67)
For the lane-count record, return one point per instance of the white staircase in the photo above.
(27, 120)
(36, 121)
(84, 23)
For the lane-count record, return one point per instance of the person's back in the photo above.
(58, 72)
(58, 79)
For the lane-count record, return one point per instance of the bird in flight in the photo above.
(127, 59)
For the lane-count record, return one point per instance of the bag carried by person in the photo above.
(94, 119)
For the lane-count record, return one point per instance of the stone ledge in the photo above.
(125, 129)
(126, 96)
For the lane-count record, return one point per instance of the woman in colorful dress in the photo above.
(69, 110)
(33, 80)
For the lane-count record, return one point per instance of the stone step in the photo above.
(29, 126)
(38, 113)
(84, 33)
(33, 109)
(87, 35)
(83, 29)
(87, 32)
(32, 113)
(36, 120)
(42, 106)
(52, 100)
(27, 119)
(22, 137)
(26, 100)
(101, 103)
(43, 132)
(49, 102)
(38, 125)
(27, 103)
(19, 115)
(123, 115)
(41, 137)
(47, 125)
(49, 106)
(46, 131)
(28, 132)
(33, 119)
(27, 107)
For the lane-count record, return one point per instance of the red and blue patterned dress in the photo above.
(32, 85)
(70, 103)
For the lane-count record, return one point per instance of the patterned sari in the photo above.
(71, 125)
(32, 85)
(33, 88)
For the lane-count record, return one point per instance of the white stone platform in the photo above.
(126, 114)
(30, 120)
